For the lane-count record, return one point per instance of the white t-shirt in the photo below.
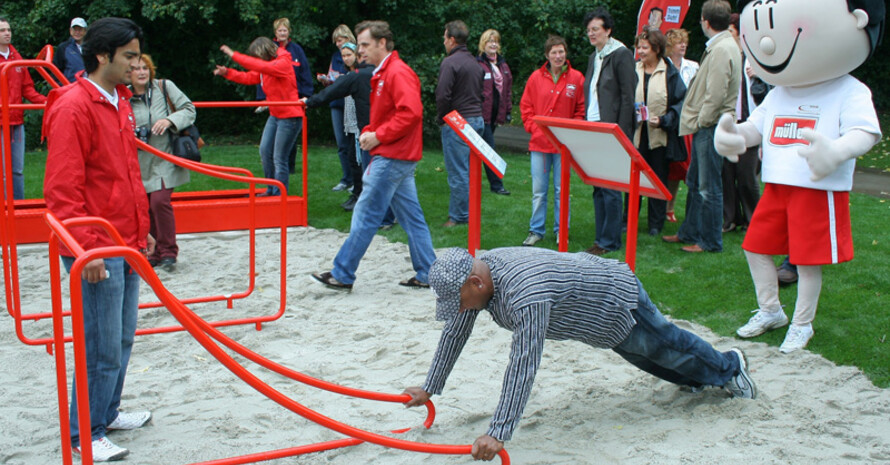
(831, 108)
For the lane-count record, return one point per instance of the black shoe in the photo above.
(329, 280)
(153, 262)
(654, 232)
(168, 264)
(501, 191)
(349, 204)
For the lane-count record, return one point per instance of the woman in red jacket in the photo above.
(272, 67)
(556, 89)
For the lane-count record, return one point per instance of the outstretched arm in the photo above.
(824, 155)
(731, 139)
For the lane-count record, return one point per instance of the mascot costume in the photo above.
(812, 126)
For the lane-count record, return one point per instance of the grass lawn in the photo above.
(853, 321)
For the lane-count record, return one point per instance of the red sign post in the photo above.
(603, 156)
(479, 151)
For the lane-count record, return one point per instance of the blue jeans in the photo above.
(542, 166)
(386, 182)
(365, 159)
(704, 201)
(608, 212)
(17, 146)
(109, 319)
(342, 149)
(494, 182)
(457, 163)
(657, 346)
(279, 137)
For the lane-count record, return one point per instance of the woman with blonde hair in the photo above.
(269, 65)
(497, 95)
(677, 41)
(161, 110)
(341, 35)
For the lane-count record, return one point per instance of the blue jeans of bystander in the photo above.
(17, 146)
(704, 202)
(109, 318)
(542, 166)
(457, 163)
(386, 182)
(279, 137)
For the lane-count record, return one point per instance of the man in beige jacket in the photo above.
(713, 91)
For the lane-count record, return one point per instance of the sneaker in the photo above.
(105, 450)
(796, 338)
(532, 239)
(762, 322)
(341, 186)
(741, 385)
(129, 420)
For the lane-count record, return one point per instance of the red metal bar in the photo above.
(202, 332)
(475, 225)
(565, 180)
(633, 216)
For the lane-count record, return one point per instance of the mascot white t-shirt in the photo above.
(830, 108)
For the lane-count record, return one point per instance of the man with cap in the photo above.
(543, 294)
(68, 57)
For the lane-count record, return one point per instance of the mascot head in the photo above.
(802, 42)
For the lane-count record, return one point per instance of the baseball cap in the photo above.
(79, 22)
(447, 275)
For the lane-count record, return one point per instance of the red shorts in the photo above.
(811, 226)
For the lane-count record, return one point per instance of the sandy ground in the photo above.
(587, 406)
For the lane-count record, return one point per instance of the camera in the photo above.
(143, 133)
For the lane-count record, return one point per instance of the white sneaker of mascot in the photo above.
(811, 127)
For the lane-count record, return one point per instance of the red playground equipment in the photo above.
(241, 212)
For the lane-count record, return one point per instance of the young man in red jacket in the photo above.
(92, 170)
(394, 139)
(20, 85)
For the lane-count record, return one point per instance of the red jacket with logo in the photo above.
(92, 168)
(543, 97)
(276, 77)
(20, 85)
(396, 111)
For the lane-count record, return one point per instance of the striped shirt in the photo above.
(541, 294)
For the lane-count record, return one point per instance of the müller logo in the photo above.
(786, 130)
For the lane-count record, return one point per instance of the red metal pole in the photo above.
(474, 228)
(565, 180)
(633, 215)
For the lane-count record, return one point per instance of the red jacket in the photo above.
(276, 77)
(92, 168)
(564, 99)
(396, 111)
(20, 85)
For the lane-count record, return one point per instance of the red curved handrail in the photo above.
(204, 333)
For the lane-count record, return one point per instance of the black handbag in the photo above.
(188, 142)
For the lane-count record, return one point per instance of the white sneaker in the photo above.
(341, 186)
(796, 338)
(741, 385)
(105, 450)
(762, 322)
(532, 239)
(129, 420)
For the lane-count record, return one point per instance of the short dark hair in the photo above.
(716, 13)
(876, 10)
(554, 40)
(658, 10)
(378, 30)
(458, 31)
(735, 20)
(603, 14)
(4, 20)
(105, 36)
(656, 40)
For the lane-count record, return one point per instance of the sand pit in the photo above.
(587, 406)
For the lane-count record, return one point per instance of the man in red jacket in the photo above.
(20, 85)
(92, 170)
(394, 139)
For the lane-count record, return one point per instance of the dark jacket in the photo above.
(68, 59)
(491, 99)
(615, 89)
(356, 84)
(302, 71)
(670, 122)
(460, 85)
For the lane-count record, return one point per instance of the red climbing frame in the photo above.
(210, 338)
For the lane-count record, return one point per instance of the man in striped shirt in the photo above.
(542, 294)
